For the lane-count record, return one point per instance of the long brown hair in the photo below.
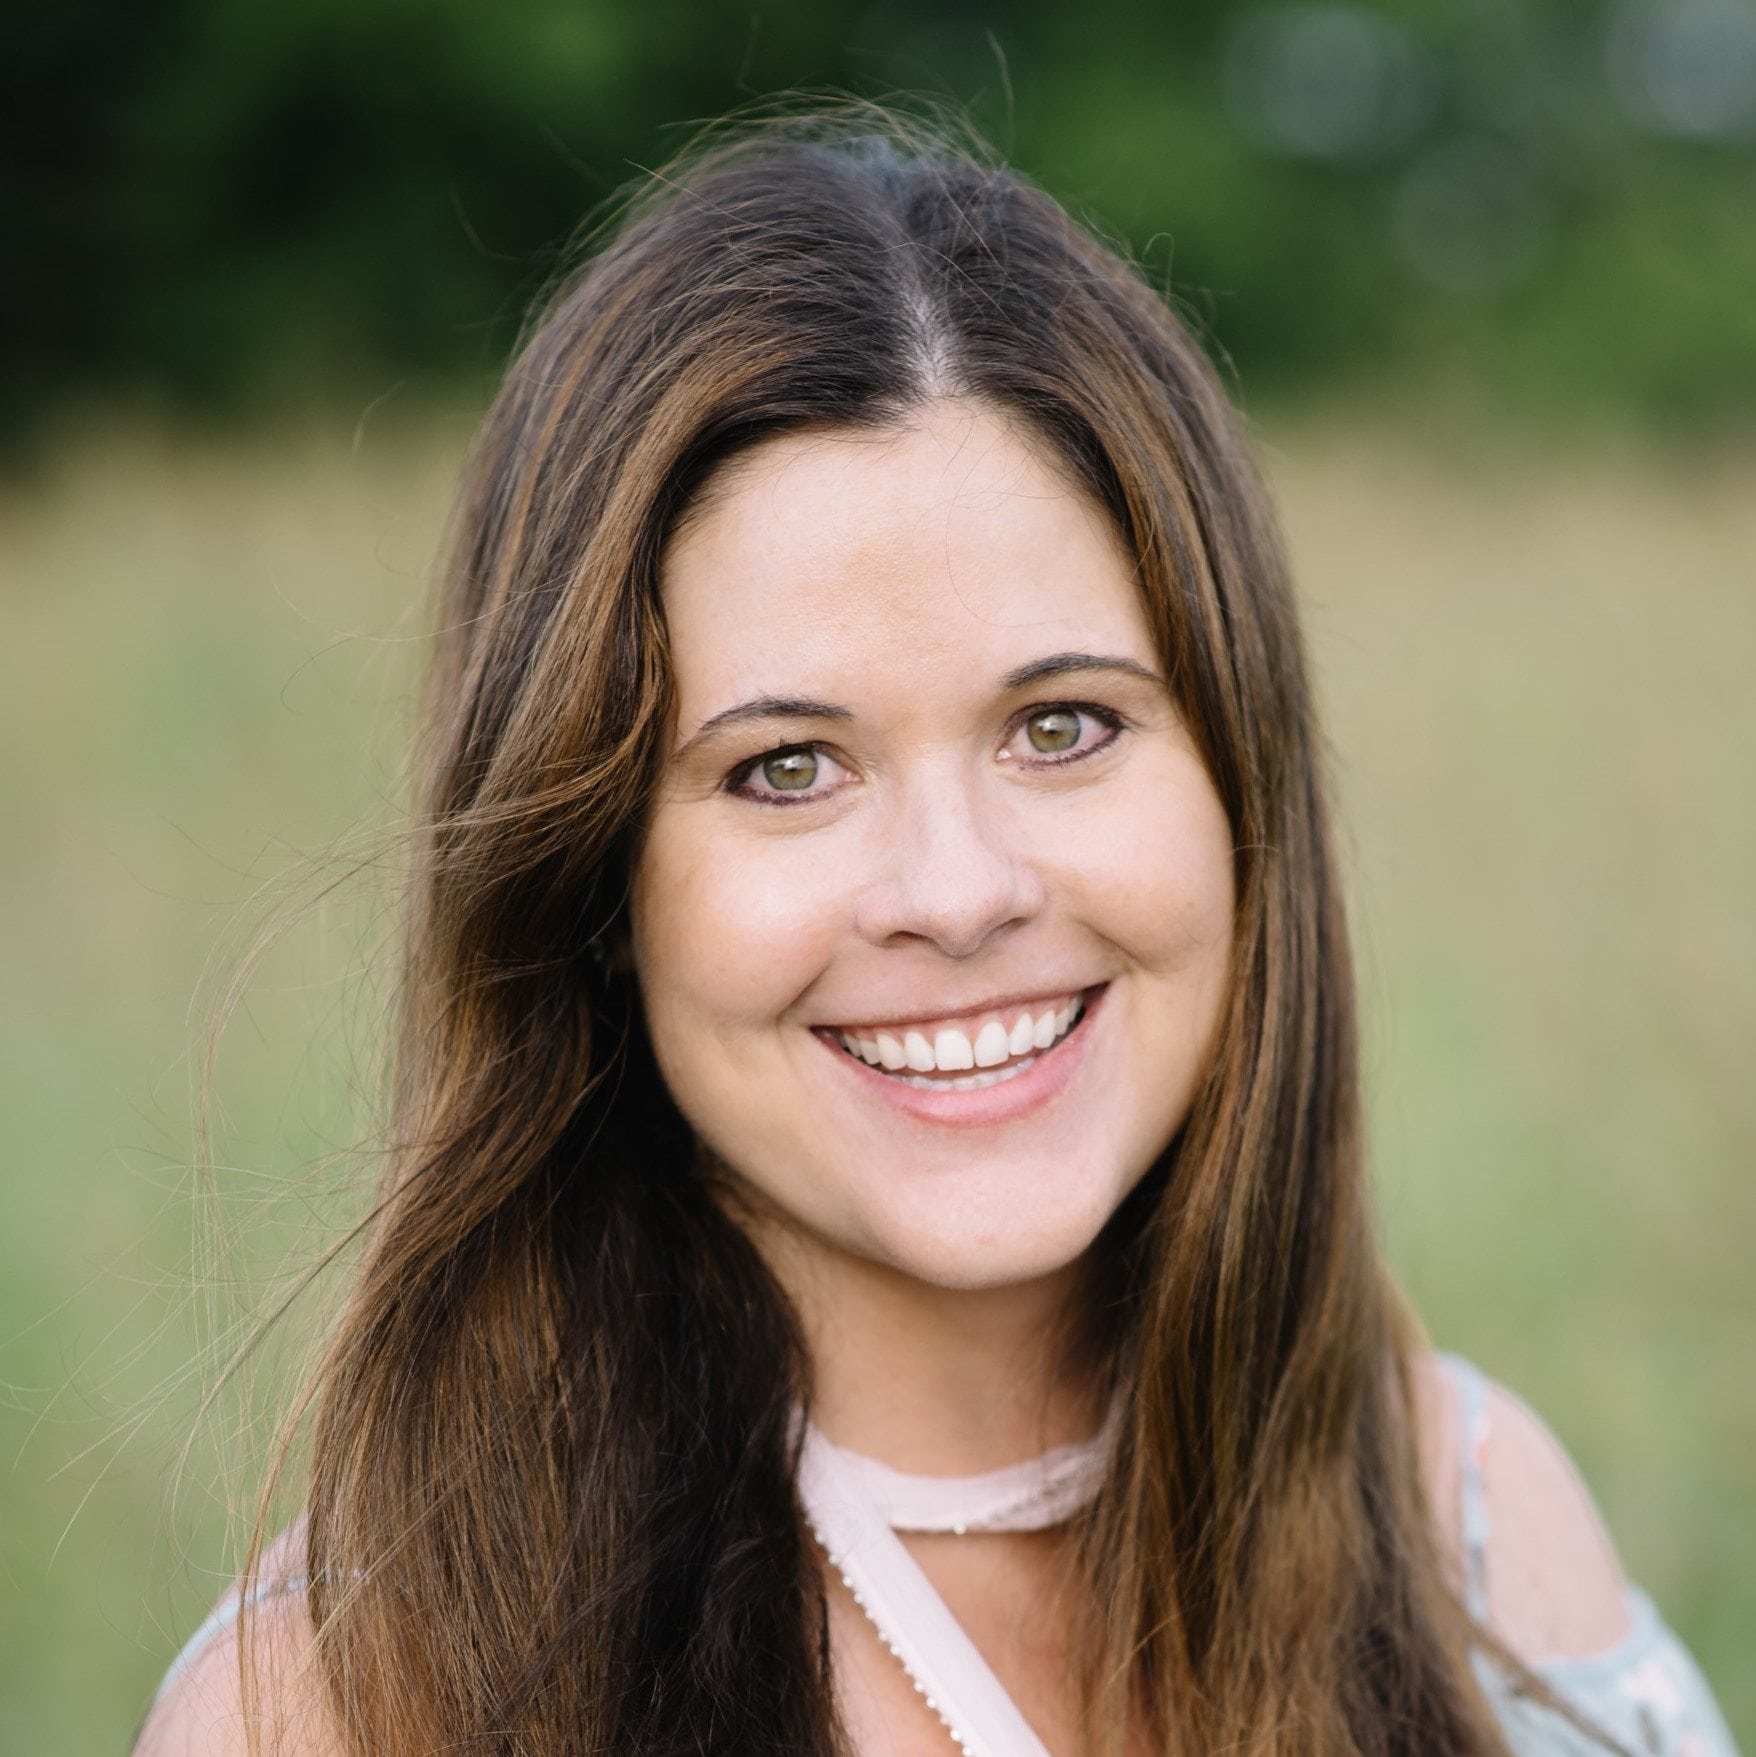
(551, 1502)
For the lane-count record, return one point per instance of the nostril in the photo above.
(951, 887)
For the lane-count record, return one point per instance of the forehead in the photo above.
(938, 554)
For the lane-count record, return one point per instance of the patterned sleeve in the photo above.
(1645, 1691)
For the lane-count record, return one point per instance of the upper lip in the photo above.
(1022, 998)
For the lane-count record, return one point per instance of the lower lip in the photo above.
(986, 1106)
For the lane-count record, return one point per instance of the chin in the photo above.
(980, 1252)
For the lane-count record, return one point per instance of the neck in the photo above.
(934, 1380)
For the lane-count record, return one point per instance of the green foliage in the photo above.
(220, 202)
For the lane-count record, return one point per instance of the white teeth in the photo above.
(951, 1050)
(991, 1045)
(969, 1082)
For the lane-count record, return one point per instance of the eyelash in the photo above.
(736, 782)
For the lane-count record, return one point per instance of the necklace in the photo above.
(855, 1506)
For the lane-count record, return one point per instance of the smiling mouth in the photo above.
(948, 1060)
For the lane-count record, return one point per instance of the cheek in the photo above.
(1155, 871)
(726, 934)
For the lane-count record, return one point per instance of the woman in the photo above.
(876, 1255)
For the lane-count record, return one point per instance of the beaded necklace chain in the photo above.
(856, 1505)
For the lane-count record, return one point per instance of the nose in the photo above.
(953, 870)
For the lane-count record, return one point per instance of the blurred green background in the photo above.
(1484, 276)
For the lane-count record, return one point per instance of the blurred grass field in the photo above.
(1536, 661)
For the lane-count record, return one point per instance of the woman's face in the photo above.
(930, 808)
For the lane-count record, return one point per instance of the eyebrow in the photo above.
(793, 707)
(764, 707)
(1058, 664)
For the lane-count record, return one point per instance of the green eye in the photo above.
(790, 771)
(1054, 729)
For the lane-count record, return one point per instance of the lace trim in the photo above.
(1030, 1496)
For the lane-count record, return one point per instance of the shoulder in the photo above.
(203, 1708)
(1553, 1585)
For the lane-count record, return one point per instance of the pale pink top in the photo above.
(1645, 1690)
